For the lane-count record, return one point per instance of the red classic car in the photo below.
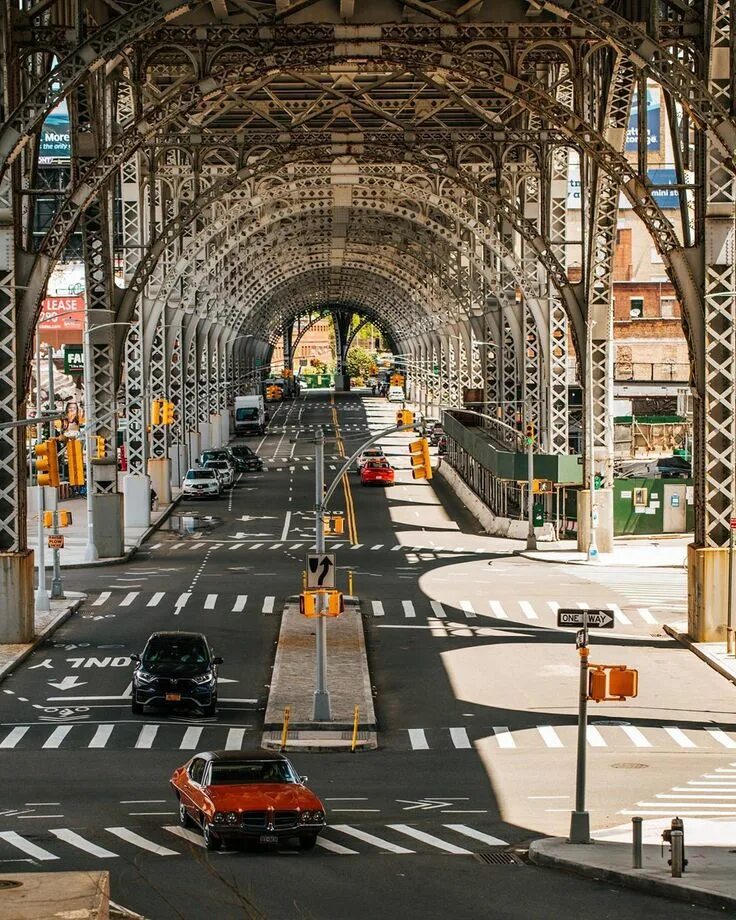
(257, 797)
(378, 472)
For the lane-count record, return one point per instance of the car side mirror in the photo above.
(303, 779)
(217, 659)
(135, 657)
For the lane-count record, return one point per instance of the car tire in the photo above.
(308, 843)
(136, 708)
(211, 840)
(184, 818)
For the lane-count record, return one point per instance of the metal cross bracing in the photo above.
(414, 172)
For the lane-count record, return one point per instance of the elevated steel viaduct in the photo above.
(239, 163)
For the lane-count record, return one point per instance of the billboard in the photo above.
(55, 145)
(667, 199)
(654, 122)
(71, 307)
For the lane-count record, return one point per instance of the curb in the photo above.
(526, 554)
(688, 643)
(127, 556)
(655, 886)
(41, 637)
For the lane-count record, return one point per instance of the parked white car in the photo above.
(224, 469)
(396, 394)
(200, 482)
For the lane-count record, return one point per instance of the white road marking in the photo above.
(13, 736)
(146, 736)
(378, 610)
(240, 602)
(721, 737)
(25, 846)
(429, 839)
(236, 546)
(477, 835)
(57, 736)
(196, 546)
(191, 738)
(210, 601)
(549, 736)
(636, 736)
(503, 736)
(553, 606)
(182, 832)
(468, 608)
(101, 599)
(131, 837)
(528, 610)
(75, 840)
(437, 609)
(235, 739)
(182, 599)
(298, 545)
(129, 598)
(268, 605)
(618, 615)
(409, 610)
(594, 737)
(498, 610)
(101, 736)
(679, 736)
(257, 546)
(176, 545)
(333, 847)
(156, 599)
(460, 738)
(369, 838)
(646, 616)
(418, 739)
(377, 546)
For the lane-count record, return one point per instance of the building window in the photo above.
(668, 307)
(636, 307)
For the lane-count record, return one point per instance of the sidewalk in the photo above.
(651, 552)
(75, 536)
(709, 879)
(45, 623)
(712, 653)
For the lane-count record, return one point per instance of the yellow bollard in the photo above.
(304, 580)
(356, 716)
(285, 730)
(350, 584)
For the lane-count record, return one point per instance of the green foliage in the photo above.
(360, 362)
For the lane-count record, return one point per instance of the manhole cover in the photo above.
(498, 858)
(629, 766)
(6, 883)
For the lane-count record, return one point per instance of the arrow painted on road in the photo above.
(244, 536)
(66, 683)
(226, 680)
(253, 517)
(424, 804)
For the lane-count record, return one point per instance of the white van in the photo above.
(396, 394)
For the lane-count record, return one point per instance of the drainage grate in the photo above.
(498, 858)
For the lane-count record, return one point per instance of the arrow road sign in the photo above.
(597, 619)
(321, 570)
(66, 683)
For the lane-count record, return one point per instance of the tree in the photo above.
(359, 363)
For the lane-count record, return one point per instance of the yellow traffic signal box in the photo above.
(167, 412)
(531, 433)
(75, 461)
(47, 463)
(421, 462)
(404, 417)
(156, 411)
(101, 446)
(332, 606)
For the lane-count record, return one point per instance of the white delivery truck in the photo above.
(250, 415)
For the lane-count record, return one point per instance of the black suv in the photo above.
(175, 669)
(245, 459)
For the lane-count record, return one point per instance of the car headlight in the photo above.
(204, 678)
(231, 817)
(146, 677)
(219, 817)
(312, 817)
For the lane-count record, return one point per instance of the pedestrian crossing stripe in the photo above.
(711, 795)
(396, 838)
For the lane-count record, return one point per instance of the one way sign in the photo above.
(599, 619)
(321, 570)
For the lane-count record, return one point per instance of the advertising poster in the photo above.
(55, 146)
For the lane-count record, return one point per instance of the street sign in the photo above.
(733, 523)
(73, 359)
(321, 570)
(56, 541)
(597, 619)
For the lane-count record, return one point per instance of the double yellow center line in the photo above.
(349, 506)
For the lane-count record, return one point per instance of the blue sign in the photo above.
(665, 197)
(654, 122)
(55, 143)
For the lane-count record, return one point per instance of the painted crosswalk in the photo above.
(56, 844)
(177, 601)
(663, 590)
(710, 795)
(129, 735)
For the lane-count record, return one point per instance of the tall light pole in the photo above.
(592, 554)
(42, 604)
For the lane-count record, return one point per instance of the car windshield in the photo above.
(200, 474)
(217, 464)
(242, 451)
(378, 465)
(246, 415)
(251, 771)
(176, 651)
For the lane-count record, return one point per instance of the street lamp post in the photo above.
(592, 553)
(42, 604)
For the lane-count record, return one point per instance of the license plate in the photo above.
(268, 838)
(173, 697)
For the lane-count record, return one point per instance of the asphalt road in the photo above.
(475, 694)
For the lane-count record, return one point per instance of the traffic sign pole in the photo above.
(57, 587)
(321, 710)
(729, 617)
(580, 819)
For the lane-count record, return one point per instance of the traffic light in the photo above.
(65, 518)
(421, 465)
(333, 605)
(404, 417)
(48, 519)
(167, 412)
(101, 446)
(612, 682)
(156, 407)
(75, 461)
(531, 433)
(47, 463)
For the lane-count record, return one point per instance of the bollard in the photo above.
(636, 842)
(304, 580)
(356, 719)
(350, 584)
(285, 729)
(730, 641)
(678, 853)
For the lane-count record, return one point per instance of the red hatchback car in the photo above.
(254, 797)
(377, 472)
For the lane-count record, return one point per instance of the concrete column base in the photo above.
(204, 436)
(107, 512)
(136, 500)
(195, 446)
(342, 383)
(707, 593)
(159, 469)
(225, 427)
(179, 462)
(215, 430)
(16, 597)
(604, 530)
